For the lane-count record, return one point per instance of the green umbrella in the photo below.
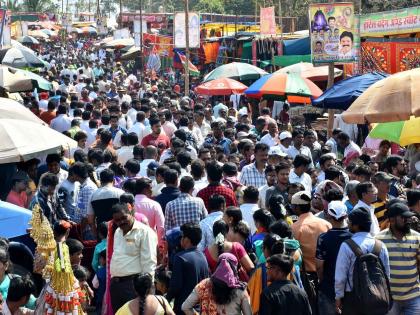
(402, 132)
(236, 70)
(41, 83)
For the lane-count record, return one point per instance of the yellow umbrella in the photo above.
(394, 98)
(401, 132)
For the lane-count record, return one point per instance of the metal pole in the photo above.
(141, 41)
(330, 83)
(120, 24)
(280, 20)
(187, 50)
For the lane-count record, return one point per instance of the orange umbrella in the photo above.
(222, 86)
(309, 71)
(282, 86)
(394, 98)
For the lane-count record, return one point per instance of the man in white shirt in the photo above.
(367, 194)
(168, 126)
(123, 96)
(235, 99)
(201, 124)
(249, 206)
(150, 154)
(285, 141)
(332, 142)
(298, 147)
(125, 153)
(348, 145)
(271, 138)
(298, 175)
(217, 206)
(134, 252)
(91, 132)
(350, 129)
(62, 122)
(139, 128)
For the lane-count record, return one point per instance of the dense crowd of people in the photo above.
(175, 204)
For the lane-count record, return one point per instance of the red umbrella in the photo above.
(222, 86)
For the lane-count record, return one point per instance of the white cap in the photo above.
(276, 151)
(285, 135)
(301, 198)
(242, 134)
(243, 111)
(337, 209)
(417, 166)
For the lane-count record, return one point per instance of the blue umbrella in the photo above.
(14, 220)
(342, 94)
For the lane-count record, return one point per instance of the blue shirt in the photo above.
(189, 268)
(101, 246)
(327, 250)
(224, 143)
(346, 259)
(167, 194)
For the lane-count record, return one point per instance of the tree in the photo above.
(39, 6)
(214, 6)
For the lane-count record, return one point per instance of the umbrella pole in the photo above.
(331, 112)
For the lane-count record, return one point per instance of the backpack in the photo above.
(371, 288)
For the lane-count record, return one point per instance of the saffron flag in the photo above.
(191, 68)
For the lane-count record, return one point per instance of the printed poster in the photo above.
(267, 21)
(179, 30)
(334, 33)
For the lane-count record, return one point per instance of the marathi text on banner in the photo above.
(402, 21)
(334, 33)
(179, 30)
(267, 21)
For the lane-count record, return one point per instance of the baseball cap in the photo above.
(243, 112)
(242, 134)
(399, 209)
(153, 166)
(276, 151)
(381, 177)
(337, 209)
(301, 198)
(360, 216)
(284, 135)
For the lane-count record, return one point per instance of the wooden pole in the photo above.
(330, 111)
(187, 50)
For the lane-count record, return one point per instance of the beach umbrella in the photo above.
(394, 98)
(120, 43)
(76, 30)
(236, 70)
(28, 40)
(131, 53)
(13, 81)
(309, 71)
(11, 109)
(38, 81)
(38, 34)
(402, 132)
(23, 140)
(342, 94)
(222, 86)
(14, 220)
(283, 86)
(89, 30)
(49, 32)
(20, 58)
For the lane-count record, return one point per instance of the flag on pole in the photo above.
(191, 68)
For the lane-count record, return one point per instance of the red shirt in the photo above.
(47, 116)
(210, 190)
(20, 200)
(161, 142)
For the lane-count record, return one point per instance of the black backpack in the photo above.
(371, 288)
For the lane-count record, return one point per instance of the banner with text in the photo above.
(267, 21)
(179, 30)
(402, 21)
(334, 33)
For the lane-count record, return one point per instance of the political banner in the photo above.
(396, 22)
(179, 30)
(334, 33)
(267, 21)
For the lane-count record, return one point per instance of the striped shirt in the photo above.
(403, 258)
(380, 210)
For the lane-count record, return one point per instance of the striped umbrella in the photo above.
(402, 132)
(223, 86)
(281, 86)
(235, 70)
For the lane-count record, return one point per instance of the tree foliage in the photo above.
(39, 6)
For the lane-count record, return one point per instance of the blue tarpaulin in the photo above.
(301, 46)
(14, 220)
(342, 94)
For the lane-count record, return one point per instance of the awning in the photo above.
(284, 61)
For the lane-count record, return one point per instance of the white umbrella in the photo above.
(10, 109)
(13, 81)
(24, 140)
